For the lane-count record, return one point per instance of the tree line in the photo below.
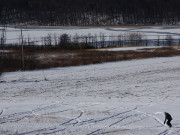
(89, 12)
(88, 41)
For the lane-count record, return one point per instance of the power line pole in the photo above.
(3, 37)
(22, 49)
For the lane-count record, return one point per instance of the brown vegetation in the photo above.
(49, 58)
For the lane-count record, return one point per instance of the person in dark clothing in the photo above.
(168, 118)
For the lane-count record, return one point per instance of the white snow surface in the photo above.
(138, 48)
(126, 98)
(36, 33)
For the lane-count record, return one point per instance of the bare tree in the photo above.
(95, 40)
(55, 39)
(102, 39)
(64, 40)
(89, 38)
(169, 41)
(76, 38)
(2, 38)
(135, 38)
(120, 40)
(158, 41)
(49, 39)
(29, 40)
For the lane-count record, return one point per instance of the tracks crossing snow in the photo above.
(110, 98)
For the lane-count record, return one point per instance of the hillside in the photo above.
(112, 98)
(89, 12)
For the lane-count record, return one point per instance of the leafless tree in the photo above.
(135, 38)
(49, 39)
(76, 38)
(158, 41)
(64, 40)
(55, 39)
(120, 40)
(3, 38)
(102, 39)
(169, 41)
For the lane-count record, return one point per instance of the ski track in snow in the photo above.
(112, 98)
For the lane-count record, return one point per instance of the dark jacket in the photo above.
(168, 116)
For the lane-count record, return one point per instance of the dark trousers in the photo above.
(169, 123)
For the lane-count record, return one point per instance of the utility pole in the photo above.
(22, 49)
(3, 37)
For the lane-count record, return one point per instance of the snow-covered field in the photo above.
(125, 98)
(138, 48)
(36, 33)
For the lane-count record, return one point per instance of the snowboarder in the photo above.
(168, 118)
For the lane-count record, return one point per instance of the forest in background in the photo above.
(89, 12)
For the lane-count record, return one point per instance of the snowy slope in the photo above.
(112, 98)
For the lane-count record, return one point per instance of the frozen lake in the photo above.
(37, 33)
